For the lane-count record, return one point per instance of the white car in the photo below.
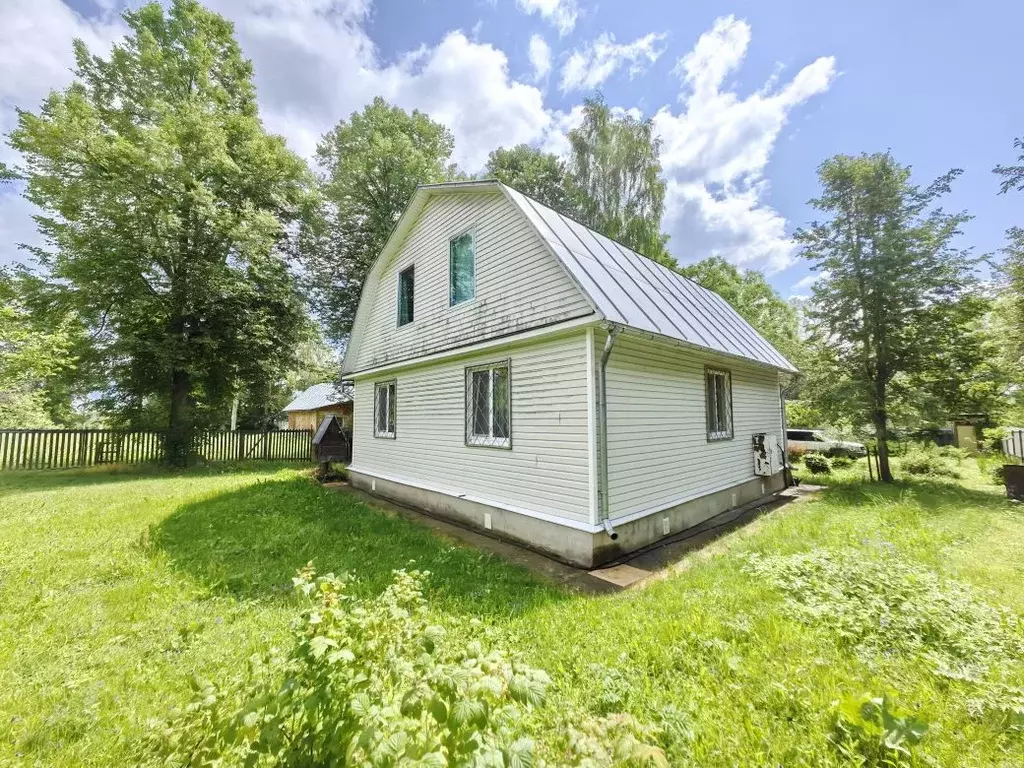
(816, 441)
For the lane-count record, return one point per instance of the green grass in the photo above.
(117, 587)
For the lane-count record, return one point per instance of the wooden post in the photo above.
(266, 444)
(871, 475)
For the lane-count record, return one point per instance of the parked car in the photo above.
(815, 440)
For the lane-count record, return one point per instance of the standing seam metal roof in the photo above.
(320, 396)
(632, 290)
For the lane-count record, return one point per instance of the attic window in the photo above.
(461, 269)
(406, 285)
(718, 403)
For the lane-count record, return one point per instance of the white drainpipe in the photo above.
(602, 432)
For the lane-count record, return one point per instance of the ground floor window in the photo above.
(384, 408)
(718, 403)
(489, 405)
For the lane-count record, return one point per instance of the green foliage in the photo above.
(873, 729)
(841, 462)
(817, 464)
(369, 167)
(928, 460)
(541, 175)
(997, 474)
(878, 603)
(166, 205)
(615, 164)
(894, 304)
(368, 682)
(374, 683)
(757, 302)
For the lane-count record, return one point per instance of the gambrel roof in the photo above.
(623, 286)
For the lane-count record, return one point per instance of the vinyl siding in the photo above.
(658, 451)
(519, 284)
(546, 470)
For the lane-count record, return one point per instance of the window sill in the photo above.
(384, 435)
(719, 437)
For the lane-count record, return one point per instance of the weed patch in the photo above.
(880, 604)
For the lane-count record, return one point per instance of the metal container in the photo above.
(1014, 476)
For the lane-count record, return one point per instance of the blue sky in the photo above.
(749, 97)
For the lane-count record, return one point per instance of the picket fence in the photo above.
(67, 448)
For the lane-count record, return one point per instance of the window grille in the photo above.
(489, 406)
(718, 403)
(384, 408)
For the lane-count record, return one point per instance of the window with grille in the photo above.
(461, 269)
(406, 286)
(718, 403)
(488, 406)
(384, 407)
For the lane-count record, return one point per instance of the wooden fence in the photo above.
(66, 448)
(1013, 444)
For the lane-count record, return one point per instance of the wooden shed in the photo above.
(309, 408)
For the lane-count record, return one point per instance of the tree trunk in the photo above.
(882, 436)
(179, 433)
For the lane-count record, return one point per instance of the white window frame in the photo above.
(489, 440)
(715, 433)
(391, 409)
(452, 304)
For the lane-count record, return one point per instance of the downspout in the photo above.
(602, 433)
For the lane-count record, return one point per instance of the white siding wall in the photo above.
(546, 469)
(519, 284)
(658, 451)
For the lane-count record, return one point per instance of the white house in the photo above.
(519, 372)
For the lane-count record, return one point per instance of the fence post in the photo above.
(266, 444)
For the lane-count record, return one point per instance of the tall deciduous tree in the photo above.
(757, 302)
(1010, 308)
(541, 175)
(615, 162)
(165, 204)
(890, 297)
(370, 166)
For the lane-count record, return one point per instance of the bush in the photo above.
(997, 475)
(841, 462)
(952, 452)
(373, 683)
(817, 464)
(920, 463)
(795, 453)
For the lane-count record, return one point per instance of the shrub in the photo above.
(921, 463)
(841, 462)
(795, 453)
(373, 683)
(817, 464)
(997, 475)
(874, 730)
(952, 452)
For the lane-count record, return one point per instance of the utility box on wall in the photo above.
(768, 458)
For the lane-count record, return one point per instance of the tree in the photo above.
(165, 205)
(370, 167)
(614, 163)
(754, 299)
(892, 284)
(1010, 306)
(541, 175)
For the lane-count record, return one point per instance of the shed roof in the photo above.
(321, 396)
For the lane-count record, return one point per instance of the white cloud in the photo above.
(561, 13)
(801, 289)
(540, 57)
(716, 149)
(589, 67)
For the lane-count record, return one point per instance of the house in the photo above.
(519, 372)
(310, 407)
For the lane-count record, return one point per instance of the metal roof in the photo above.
(320, 396)
(632, 290)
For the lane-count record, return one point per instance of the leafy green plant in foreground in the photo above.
(817, 464)
(873, 729)
(373, 683)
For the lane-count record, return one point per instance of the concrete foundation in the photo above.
(571, 545)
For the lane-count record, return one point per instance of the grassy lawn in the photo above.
(117, 587)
